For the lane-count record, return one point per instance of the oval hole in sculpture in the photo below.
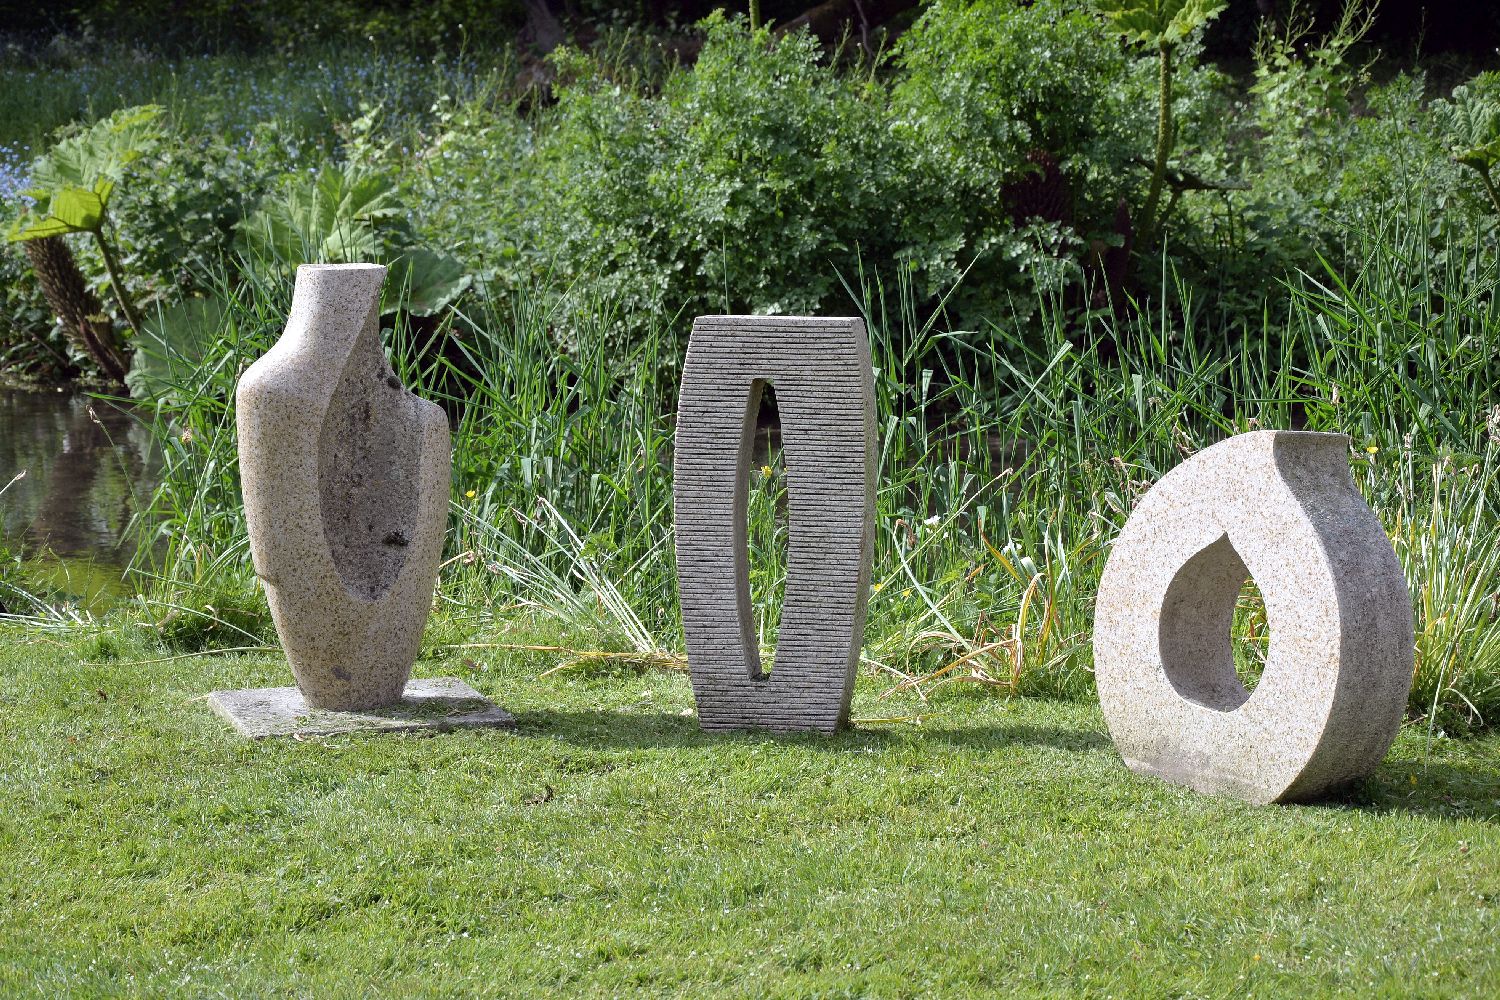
(1214, 632)
(766, 523)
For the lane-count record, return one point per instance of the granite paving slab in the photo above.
(437, 704)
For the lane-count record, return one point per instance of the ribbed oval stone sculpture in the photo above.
(345, 476)
(825, 392)
(1279, 507)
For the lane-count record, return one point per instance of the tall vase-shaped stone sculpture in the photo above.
(825, 392)
(345, 476)
(1279, 507)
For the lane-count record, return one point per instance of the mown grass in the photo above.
(608, 846)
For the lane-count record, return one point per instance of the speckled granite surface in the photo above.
(1281, 507)
(437, 704)
(345, 476)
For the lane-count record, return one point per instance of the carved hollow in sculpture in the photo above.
(1279, 507)
(825, 392)
(345, 477)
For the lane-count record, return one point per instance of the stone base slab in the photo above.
(435, 704)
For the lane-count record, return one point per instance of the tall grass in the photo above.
(1010, 457)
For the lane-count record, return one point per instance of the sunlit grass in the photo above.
(608, 847)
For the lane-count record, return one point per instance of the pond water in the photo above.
(74, 471)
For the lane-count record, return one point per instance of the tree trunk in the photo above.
(828, 20)
(79, 309)
(542, 25)
(1150, 222)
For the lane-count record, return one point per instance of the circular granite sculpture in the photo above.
(1279, 507)
(345, 475)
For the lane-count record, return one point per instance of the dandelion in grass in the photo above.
(470, 494)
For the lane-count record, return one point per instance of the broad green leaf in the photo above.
(81, 210)
(341, 216)
(367, 195)
(348, 216)
(1473, 120)
(428, 281)
(59, 213)
(1483, 158)
(75, 178)
(44, 227)
(351, 242)
(101, 152)
(1159, 22)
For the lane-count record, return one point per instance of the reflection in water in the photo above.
(88, 466)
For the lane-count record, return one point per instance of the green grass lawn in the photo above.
(609, 847)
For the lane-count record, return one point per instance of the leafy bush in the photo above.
(745, 186)
(991, 94)
(1301, 103)
(74, 183)
(1323, 156)
(1002, 148)
(160, 206)
(475, 189)
(346, 214)
(1470, 124)
(177, 229)
(985, 83)
(764, 177)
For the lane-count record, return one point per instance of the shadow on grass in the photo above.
(1435, 788)
(632, 731)
(1431, 787)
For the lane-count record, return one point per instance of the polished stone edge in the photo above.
(429, 705)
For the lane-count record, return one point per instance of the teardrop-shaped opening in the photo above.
(1214, 632)
(766, 527)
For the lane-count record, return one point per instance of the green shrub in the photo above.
(764, 177)
(988, 88)
(179, 227)
(1302, 145)
(350, 214)
(475, 189)
(746, 185)
(173, 205)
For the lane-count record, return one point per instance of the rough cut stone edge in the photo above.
(428, 705)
